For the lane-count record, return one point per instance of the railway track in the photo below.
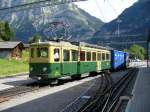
(81, 103)
(116, 92)
(108, 100)
(9, 93)
(100, 96)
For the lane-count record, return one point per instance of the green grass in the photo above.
(25, 56)
(10, 67)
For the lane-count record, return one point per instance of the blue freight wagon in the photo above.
(118, 59)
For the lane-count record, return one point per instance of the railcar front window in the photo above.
(74, 55)
(66, 55)
(42, 52)
(32, 53)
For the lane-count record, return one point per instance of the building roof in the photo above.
(10, 44)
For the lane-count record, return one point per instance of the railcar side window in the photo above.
(42, 52)
(94, 56)
(74, 55)
(56, 55)
(103, 56)
(88, 55)
(99, 56)
(32, 53)
(66, 55)
(107, 56)
(82, 55)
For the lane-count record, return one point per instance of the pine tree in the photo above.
(6, 32)
(34, 38)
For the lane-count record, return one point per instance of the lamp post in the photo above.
(148, 48)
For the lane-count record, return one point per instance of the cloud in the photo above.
(106, 10)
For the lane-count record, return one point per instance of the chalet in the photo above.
(10, 49)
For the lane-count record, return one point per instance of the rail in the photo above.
(107, 100)
(85, 99)
(9, 93)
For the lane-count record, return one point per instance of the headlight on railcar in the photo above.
(31, 68)
(44, 69)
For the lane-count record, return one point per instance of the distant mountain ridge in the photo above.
(134, 20)
(82, 26)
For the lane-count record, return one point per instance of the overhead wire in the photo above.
(115, 11)
(100, 10)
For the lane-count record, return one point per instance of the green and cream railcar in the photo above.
(93, 58)
(52, 60)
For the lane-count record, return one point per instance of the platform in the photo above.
(140, 101)
(53, 99)
(6, 83)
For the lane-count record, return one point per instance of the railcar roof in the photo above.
(84, 44)
(61, 43)
(75, 44)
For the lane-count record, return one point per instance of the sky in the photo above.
(106, 10)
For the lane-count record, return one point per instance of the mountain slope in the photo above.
(134, 27)
(135, 20)
(82, 26)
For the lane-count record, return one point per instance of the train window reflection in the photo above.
(82, 55)
(103, 56)
(74, 55)
(42, 52)
(88, 56)
(99, 56)
(66, 55)
(107, 56)
(94, 56)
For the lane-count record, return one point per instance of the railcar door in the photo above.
(99, 61)
(69, 63)
(56, 65)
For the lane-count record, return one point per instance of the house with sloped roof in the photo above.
(11, 49)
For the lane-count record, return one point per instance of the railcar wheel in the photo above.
(93, 74)
(54, 82)
(76, 77)
(42, 83)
